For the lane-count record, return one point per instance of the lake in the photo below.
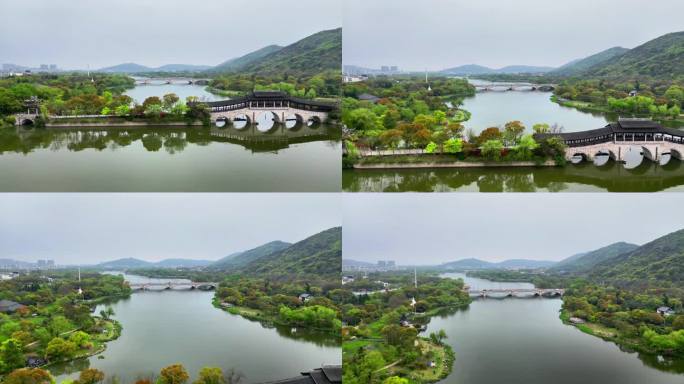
(299, 158)
(165, 327)
(496, 108)
(522, 340)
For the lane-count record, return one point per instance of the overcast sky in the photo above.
(77, 33)
(437, 34)
(90, 228)
(424, 228)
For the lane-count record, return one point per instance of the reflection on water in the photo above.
(522, 341)
(583, 177)
(171, 159)
(181, 326)
(143, 91)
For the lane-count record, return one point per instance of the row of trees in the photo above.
(642, 105)
(324, 84)
(173, 374)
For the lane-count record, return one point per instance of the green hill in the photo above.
(577, 66)
(243, 258)
(314, 54)
(661, 58)
(658, 263)
(320, 254)
(584, 262)
(239, 63)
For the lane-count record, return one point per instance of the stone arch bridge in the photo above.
(278, 106)
(515, 87)
(654, 142)
(204, 286)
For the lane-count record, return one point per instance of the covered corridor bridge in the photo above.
(655, 142)
(278, 106)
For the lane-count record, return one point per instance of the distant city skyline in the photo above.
(78, 33)
(436, 35)
(78, 228)
(430, 229)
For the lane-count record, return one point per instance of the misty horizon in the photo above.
(172, 33)
(435, 35)
(94, 228)
(435, 229)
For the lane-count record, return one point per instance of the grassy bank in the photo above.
(585, 106)
(632, 344)
(263, 317)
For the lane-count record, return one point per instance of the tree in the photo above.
(513, 130)
(210, 375)
(491, 133)
(90, 376)
(80, 339)
(173, 374)
(122, 110)
(60, 349)
(541, 128)
(441, 335)
(169, 100)
(11, 354)
(526, 147)
(430, 148)
(491, 149)
(152, 100)
(678, 322)
(453, 146)
(362, 119)
(29, 376)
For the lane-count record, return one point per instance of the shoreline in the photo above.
(456, 164)
(124, 124)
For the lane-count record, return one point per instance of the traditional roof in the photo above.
(266, 96)
(329, 374)
(622, 126)
(9, 306)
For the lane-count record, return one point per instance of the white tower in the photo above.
(80, 291)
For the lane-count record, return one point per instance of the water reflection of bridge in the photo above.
(517, 292)
(191, 285)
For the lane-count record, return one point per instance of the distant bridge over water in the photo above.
(517, 292)
(647, 137)
(171, 80)
(515, 87)
(160, 285)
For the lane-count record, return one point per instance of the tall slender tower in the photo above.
(80, 291)
(415, 278)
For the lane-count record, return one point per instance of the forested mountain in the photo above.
(662, 57)
(584, 262)
(320, 254)
(577, 66)
(314, 54)
(243, 258)
(659, 263)
(241, 62)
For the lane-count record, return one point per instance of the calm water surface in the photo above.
(170, 159)
(167, 327)
(156, 88)
(523, 341)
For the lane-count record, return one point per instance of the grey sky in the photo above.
(430, 229)
(77, 33)
(437, 34)
(89, 228)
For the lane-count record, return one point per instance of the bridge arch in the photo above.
(267, 120)
(578, 157)
(222, 121)
(647, 153)
(26, 121)
(314, 121)
(677, 154)
(241, 120)
(603, 157)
